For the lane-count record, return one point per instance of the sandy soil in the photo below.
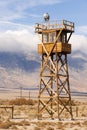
(25, 118)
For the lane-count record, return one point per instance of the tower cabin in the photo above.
(55, 32)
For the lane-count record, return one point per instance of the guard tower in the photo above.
(54, 98)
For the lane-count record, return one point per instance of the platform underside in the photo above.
(58, 48)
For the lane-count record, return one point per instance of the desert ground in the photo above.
(25, 116)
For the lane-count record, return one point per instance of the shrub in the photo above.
(5, 125)
(50, 128)
(85, 123)
(37, 128)
(21, 101)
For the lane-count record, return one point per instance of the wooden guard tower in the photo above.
(54, 90)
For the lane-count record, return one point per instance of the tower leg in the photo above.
(54, 87)
(64, 95)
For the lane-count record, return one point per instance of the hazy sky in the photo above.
(17, 19)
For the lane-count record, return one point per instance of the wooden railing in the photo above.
(54, 25)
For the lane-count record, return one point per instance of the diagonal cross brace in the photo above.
(48, 54)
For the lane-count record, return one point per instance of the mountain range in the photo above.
(22, 70)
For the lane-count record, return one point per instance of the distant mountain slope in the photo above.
(13, 60)
(78, 71)
(77, 60)
(23, 70)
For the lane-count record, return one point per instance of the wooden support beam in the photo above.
(9, 107)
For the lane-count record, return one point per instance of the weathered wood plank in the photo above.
(60, 47)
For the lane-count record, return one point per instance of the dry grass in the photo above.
(37, 128)
(85, 123)
(60, 125)
(30, 112)
(4, 102)
(24, 122)
(50, 128)
(7, 124)
(21, 101)
(14, 127)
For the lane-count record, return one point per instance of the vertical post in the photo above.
(20, 92)
(57, 83)
(20, 95)
(68, 84)
(29, 95)
(76, 111)
(12, 111)
(51, 77)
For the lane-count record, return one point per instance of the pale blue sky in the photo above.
(30, 11)
(17, 19)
